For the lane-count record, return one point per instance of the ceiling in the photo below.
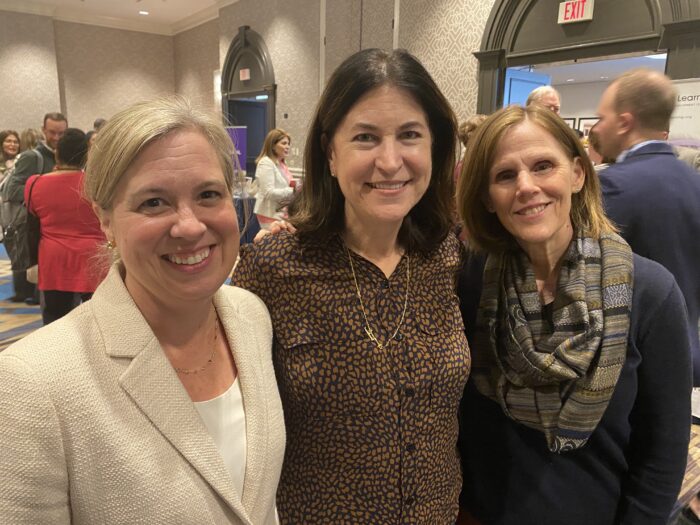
(597, 70)
(166, 17)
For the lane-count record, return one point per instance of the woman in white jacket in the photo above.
(274, 181)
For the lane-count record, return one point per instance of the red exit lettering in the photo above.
(574, 10)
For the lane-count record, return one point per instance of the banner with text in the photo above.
(685, 121)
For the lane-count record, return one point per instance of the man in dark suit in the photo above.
(652, 196)
(39, 160)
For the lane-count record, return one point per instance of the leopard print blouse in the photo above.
(371, 434)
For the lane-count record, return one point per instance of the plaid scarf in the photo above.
(557, 378)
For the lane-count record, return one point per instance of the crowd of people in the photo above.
(67, 233)
(366, 365)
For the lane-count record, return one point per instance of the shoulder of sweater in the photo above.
(652, 282)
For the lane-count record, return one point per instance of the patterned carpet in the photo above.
(16, 319)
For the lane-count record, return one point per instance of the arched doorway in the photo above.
(521, 32)
(248, 90)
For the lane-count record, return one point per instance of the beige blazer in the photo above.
(273, 187)
(96, 428)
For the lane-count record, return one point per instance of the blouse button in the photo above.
(398, 336)
(385, 284)
(411, 447)
(410, 392)
(410, 501)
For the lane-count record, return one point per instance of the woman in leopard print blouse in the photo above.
(370, 353)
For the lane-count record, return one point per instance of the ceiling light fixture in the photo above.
(570, 79)
(144, 13)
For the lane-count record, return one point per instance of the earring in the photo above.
(111, 245)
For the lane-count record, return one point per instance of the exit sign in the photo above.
(575, 11)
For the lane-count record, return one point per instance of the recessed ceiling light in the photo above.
(144, 13)
(603, 78)
(570, 79)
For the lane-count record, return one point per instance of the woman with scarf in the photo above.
(578, 407)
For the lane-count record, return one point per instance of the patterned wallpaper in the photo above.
(102, 70)
(196, 59)
(291, 32)
(443, 34)
(93, 71)
(27, 69)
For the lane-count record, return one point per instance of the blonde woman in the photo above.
(274, 180)
(155, 401)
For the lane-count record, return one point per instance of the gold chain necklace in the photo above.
(368, 328)
(188, 371)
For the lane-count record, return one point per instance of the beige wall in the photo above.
(27, 69)
(93, 71)
(196, 60)
(292, 36)
(102, 70)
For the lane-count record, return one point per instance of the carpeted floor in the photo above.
(16, 319)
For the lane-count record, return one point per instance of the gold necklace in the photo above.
(368, 328)
(188, 371)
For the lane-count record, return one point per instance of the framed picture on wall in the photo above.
(585, 124)
(571, 122)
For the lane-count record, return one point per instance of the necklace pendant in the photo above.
(372, 337)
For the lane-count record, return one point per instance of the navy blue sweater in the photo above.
(630, 470)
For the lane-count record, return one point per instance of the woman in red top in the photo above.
(70, 232)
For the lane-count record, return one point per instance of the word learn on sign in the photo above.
(575, 11)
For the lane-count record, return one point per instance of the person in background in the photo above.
(90, 137)
(9, 149)
(578, 407)
(370, 352)
(155, 401)
(465, 131)
(32, 161)
(594, 148)
(651, 195)
(275, 183)
(30, 139)
(545, 96)
(70, 232)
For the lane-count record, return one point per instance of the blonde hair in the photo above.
(484, 229)
(126, 134)
(30, 138)
(468, 127)
(274, 136)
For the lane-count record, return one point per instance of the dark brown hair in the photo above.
(72, 147)
(317, 211)
(484, 229)
(58, 117)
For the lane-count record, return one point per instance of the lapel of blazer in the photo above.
(151, 382)
(243, 336)
(280, 176)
